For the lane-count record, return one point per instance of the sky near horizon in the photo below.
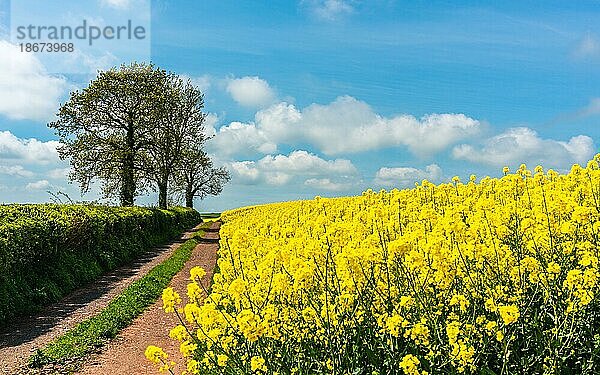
(331, 97)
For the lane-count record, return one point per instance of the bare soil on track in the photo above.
(125, 354)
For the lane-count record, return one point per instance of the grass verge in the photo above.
(210, 215)
(120, 312)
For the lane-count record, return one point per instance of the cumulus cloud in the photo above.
(245, 171)
(283, 169)
(348, 125)
(27, 91)
(27, 150)
(59, 173)
(210, 124)
(401, 177)
(327, 184)
(330, 10)
(203, 82)
(28, 166)
(38, 185)
(303, 162)
(251, 91)
(523, 145)
(240, 138)
(15, 171)
(345, 126)
(281, 122)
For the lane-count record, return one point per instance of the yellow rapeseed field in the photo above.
(498, 276)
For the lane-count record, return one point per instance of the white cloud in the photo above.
(210, 124)
(27, 91)
(203, 82)
(327, 184)
(117, 4)
(330, 10)
(281, 122)
(251, 91)
(38, 185)
(283, 169)
(580, 148)
(245, 171)
(241, 138)
(90, 62)
(272, 126)
(406, 176)
(277, 178)
(27, 150)
(348, 125)
(15, 170)
(523, 145)
(587, 47)
(345, 126)
(304, 162)
(35, 160)
(59, 173)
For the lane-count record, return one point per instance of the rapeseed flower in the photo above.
(447, 278)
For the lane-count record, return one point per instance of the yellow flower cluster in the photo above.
(170, 299)
(157, 355)
(496, 276)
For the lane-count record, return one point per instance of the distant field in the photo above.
(210, 215)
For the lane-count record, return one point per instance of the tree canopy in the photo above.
(135, 128)
(198, 177)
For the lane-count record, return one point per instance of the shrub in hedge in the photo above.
(49, 250)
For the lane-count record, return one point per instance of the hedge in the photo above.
(47, 251)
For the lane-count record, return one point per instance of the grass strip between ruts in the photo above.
(120, 312)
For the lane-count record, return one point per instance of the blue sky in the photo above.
(330, 97)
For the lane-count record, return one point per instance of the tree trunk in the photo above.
(128, 183)
(162, 195)
(189, 197)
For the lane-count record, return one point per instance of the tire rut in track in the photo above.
(125, 354)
